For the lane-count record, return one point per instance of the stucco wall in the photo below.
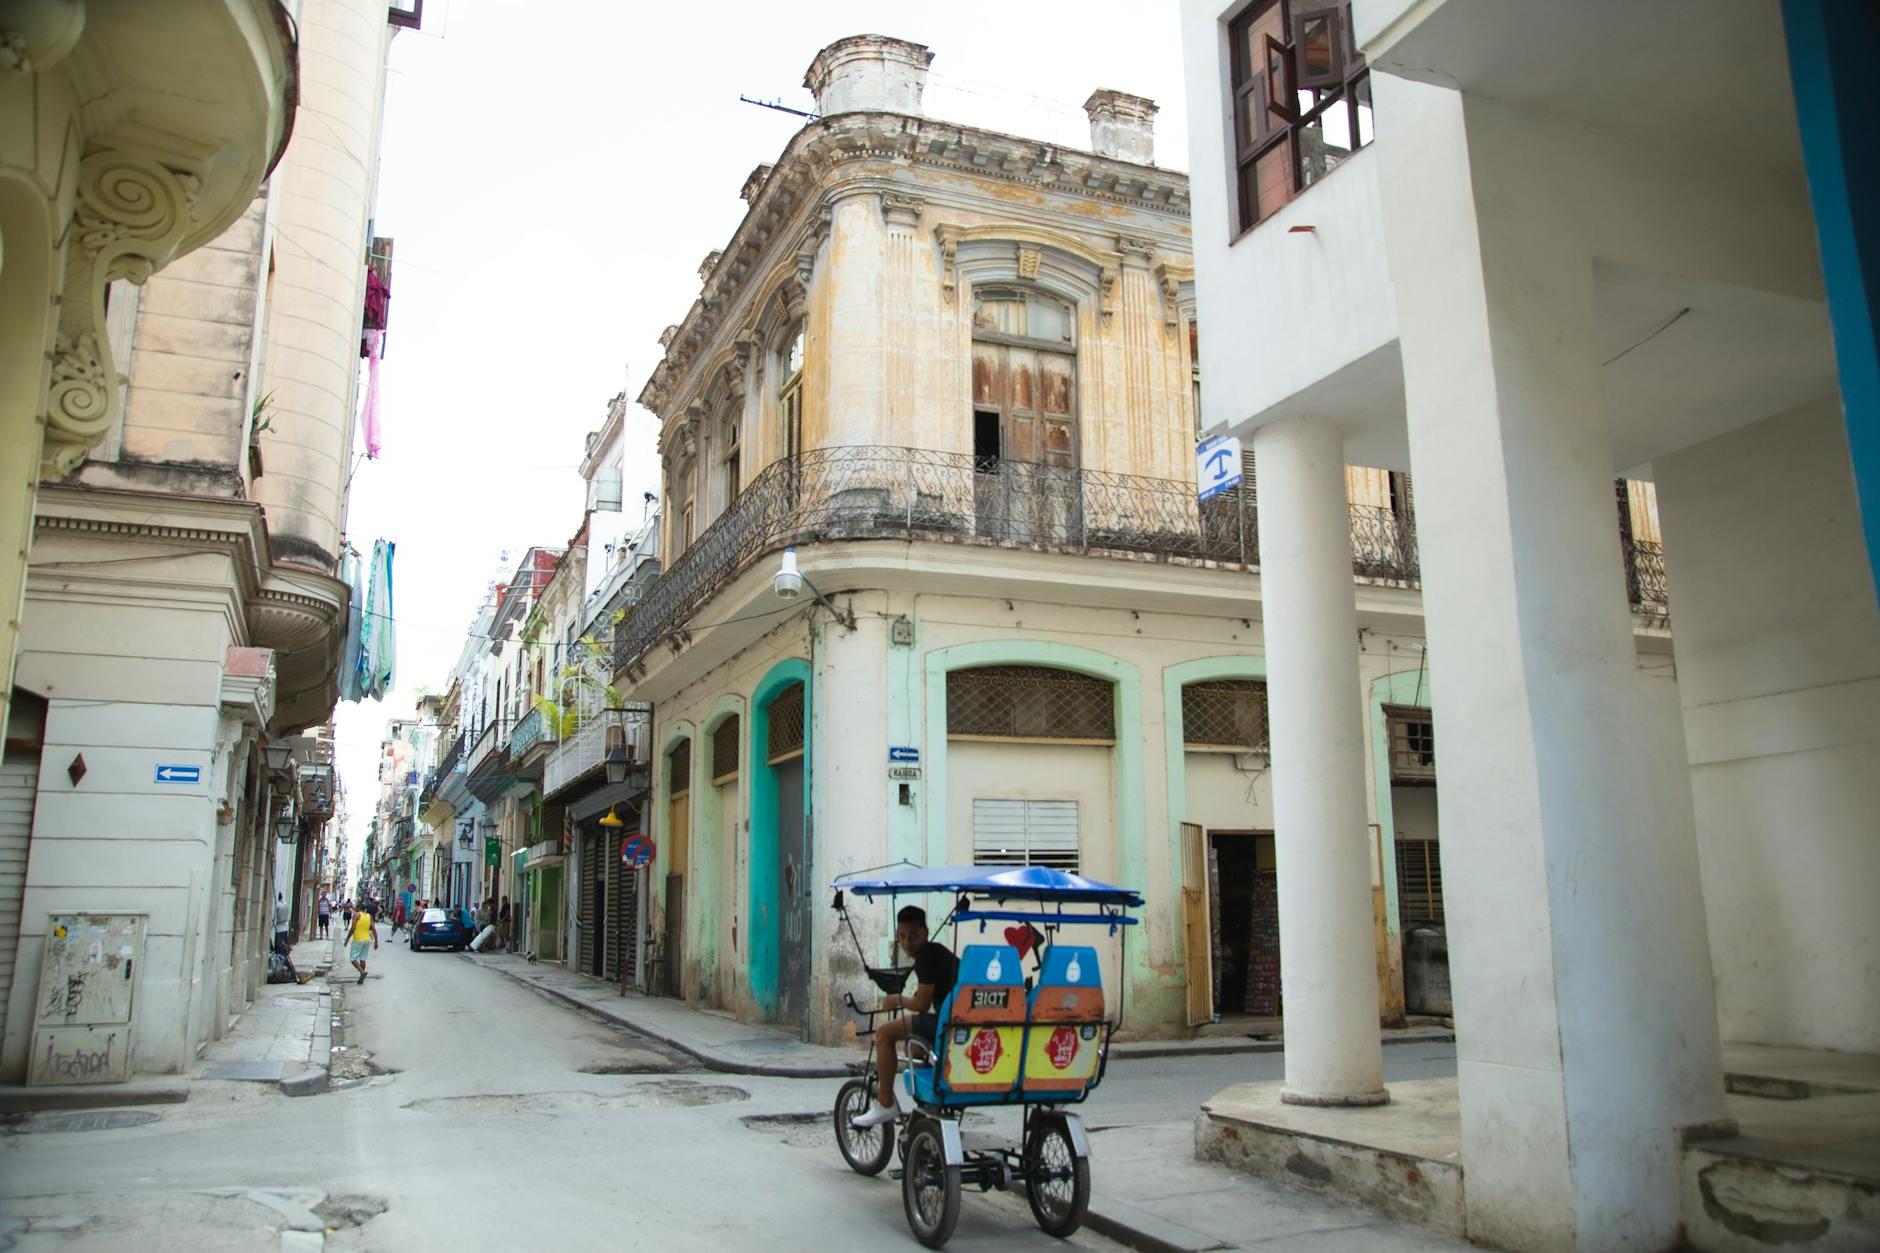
(1778, 647)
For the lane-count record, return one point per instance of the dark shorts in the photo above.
(924, 1027)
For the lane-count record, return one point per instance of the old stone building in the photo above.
(953, 370)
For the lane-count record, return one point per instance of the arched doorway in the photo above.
(782, 858)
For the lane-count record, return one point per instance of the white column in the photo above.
(1585, 1017)
(1322, 842)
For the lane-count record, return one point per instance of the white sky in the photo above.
(553, 172)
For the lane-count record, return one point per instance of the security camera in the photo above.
(789, 583)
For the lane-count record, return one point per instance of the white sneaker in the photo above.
(876, 1115)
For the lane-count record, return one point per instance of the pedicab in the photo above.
(1005, 1035)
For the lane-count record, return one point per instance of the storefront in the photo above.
(541, 914)
(607, 939)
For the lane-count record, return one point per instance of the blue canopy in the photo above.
(1003, 883)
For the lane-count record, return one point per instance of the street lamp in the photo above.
(279, 755)
(616, 762)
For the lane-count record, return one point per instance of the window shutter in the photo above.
(1025, 833)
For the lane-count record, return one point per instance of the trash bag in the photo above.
(278, 969)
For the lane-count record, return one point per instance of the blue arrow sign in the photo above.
(903, 753)
(1217, 466)
(169, 773)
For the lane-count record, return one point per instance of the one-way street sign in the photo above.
(174, 773)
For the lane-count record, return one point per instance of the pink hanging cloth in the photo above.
(375, 344)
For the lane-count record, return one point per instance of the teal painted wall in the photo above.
(762, 914)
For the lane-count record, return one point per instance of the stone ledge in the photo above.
(18, 1099)
(1367, 1155)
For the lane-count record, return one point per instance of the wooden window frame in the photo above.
(1337, 87)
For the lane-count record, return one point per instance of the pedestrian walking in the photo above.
(398, 916)
(326, 914)
(282, 915)
(365, 931)
(502, 926)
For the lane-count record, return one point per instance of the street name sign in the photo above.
(1217, 466)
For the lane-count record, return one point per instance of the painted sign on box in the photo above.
(87, 994)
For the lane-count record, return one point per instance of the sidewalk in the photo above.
(1148, 1191)
(717, 1040)
(285, 1037)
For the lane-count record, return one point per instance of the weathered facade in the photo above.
(185, 614)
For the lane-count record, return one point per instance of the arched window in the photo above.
(790, 394)
(1024, 378)
(1030, 703)
(725, 750)
(731, 456)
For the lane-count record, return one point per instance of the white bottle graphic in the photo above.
(1074, 972)
(992, 969)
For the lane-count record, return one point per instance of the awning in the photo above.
(629, 796)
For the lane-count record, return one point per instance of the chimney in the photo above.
(868, 73)
(1122, 126)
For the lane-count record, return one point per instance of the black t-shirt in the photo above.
(936, 964)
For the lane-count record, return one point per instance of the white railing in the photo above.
(584, 748)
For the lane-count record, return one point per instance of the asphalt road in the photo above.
(504, 1121)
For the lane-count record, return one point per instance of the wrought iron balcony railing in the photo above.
(872, 492)
(1645, 584)
(531, 729)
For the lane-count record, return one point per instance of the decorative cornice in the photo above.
(808, 166)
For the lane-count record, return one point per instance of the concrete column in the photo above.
(1320, 835)
(1586, 1021)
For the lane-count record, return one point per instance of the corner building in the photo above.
(954, 370)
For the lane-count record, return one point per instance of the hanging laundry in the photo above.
(375, 344)
(379, 655)
(378, 301)
(349, 666)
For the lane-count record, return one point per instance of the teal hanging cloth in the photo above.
(350, 668)
(378, 657)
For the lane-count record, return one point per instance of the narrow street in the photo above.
(484, 1115)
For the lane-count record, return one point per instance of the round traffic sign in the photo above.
(637, 850)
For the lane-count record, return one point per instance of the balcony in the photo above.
(531, 729)
(585, 748)
(488, 742)
(1645, 584)
(865, 492)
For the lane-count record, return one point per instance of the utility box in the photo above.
(87, 999)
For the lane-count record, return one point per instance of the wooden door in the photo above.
(1197, 932)
(1031, 489)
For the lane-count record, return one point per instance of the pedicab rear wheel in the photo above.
(1057, 1181)
(865, 1149)
(930, 1189)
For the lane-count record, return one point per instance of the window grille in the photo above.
(679, 768)
(785, 739)
(1226, 713)
(1412, 745)
(1030, 703)
(1025, 833)
(725, 751)
(1419, 882)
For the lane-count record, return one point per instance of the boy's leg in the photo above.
(890, 1035)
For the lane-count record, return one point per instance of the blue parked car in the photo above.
(439, 929)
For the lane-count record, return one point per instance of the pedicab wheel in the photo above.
(930, 1189)
(1057, 1181)
(865, 1149)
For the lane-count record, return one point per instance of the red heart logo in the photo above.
(1019, 937)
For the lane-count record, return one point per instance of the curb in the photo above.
(710, 1060)
(1139, 1229)
(318, 1078)
(24, 1100)
(1136, 1049)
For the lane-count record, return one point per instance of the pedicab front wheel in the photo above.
(930, 1188)
(1057, 1181)
(865, 1149)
